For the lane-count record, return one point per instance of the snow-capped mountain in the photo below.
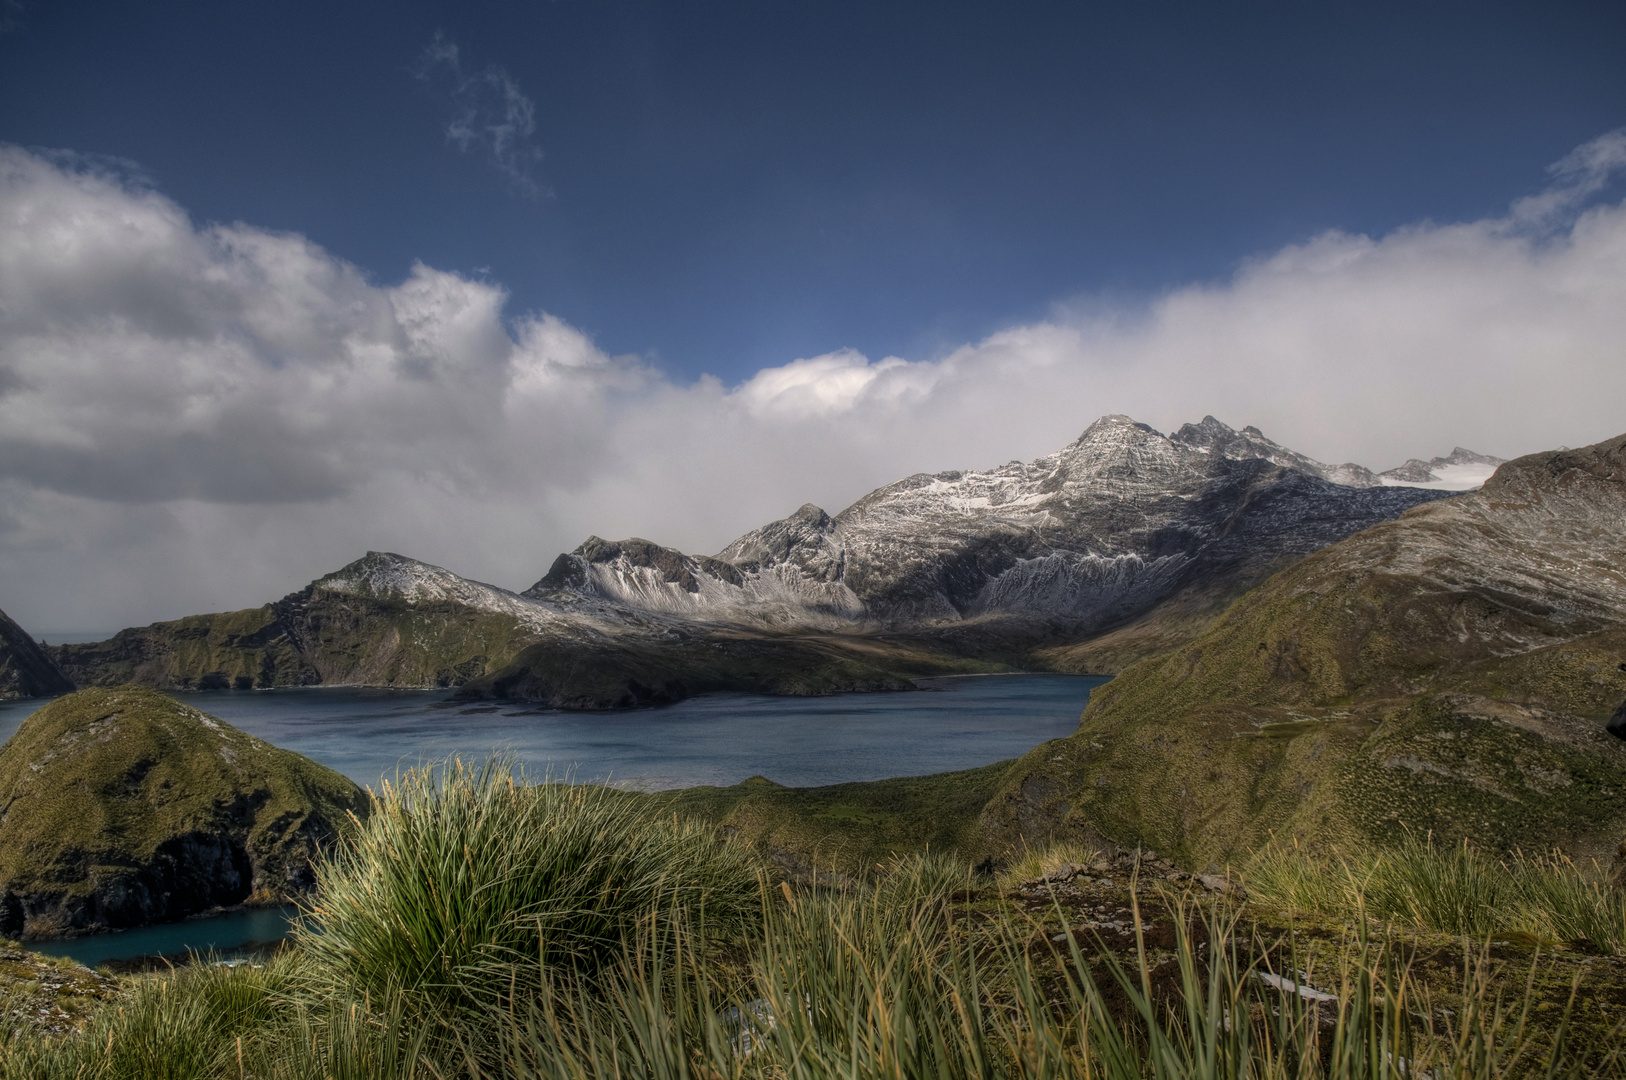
(1086, 537)
(1460, 470)
(1123, 531)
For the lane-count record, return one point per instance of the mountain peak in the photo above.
(1115, 426)
(1213, 437)
(1461, 470)
(386, 574)
(808, 514)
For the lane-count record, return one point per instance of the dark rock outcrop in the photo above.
(1617, 722)
(25, 668)
(124, 807)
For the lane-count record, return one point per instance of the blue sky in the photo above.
(729, 186)
(284, 282)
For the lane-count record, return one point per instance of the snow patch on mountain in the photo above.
(1090, 589)
(1088, 536)
(1460, 470)
(384, 575)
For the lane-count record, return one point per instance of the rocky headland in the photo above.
(26, 670)
(120, 807)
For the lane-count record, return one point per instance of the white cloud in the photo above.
(200, 418)
(830, 384)
(491, 113)
(1581, 173)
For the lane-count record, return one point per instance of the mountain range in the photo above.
(1451, 672)
(1122, 544)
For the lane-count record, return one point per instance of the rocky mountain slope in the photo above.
(1122, 543)
(1082, 539)
(122, 807)
(25, 669)
(1448, 671)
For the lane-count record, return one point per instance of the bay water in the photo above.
(372, 735)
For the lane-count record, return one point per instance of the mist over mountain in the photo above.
(197, 415)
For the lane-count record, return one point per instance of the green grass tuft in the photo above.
(1455, 890)
(466, 884)
(484, 928)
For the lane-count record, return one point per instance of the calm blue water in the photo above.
(369, 735)
(955, 723)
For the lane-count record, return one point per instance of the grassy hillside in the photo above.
(636, 671)
(328, 638)
(845, 829)
(124, 806)
(1446, 671)
(483, 929)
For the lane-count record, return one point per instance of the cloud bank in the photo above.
(204, 417)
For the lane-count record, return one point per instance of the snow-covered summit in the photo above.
(1214, 437)
(384, 575)
(1460, 470)
(1087, 536)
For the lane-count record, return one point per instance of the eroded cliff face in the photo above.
(26, 670)
(123, 807)
(1451, 670)
(1022, 566)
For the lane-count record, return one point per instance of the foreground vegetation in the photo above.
(1547, 900)
(482, 927)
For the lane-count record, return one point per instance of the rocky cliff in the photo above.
(122, 807)
(1451, 671)
(1122, 543)
(25, 668)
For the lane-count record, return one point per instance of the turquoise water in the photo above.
(227, 936)
(369, 735)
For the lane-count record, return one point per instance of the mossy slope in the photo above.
(1445, 671)
(318, 636)
(123, 806)
(845, 828)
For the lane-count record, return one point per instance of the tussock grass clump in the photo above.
(860, 984)
(922, 877)
(1455, 890)
(195, 1023)
(466, 884)
(483, 928)
(841, 986)
(1035, 862)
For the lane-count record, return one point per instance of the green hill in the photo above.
(120, 807)
(1447, 671)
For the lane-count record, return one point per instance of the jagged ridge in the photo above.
(944, 572)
